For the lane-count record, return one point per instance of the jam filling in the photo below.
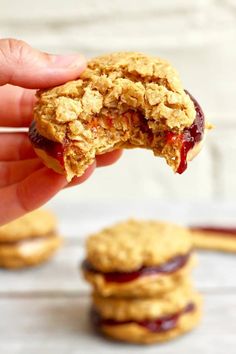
(192, 135)
(169, 267)
(27, 239)
(210, 230)
(53, 148)
(159, 325)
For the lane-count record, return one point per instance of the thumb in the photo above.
(24, 66)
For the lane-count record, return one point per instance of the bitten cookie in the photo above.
(122, 100)
(148, 320)
(29, 240)
(138, 258)
(214, 238)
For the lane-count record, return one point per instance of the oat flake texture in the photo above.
(122, 100)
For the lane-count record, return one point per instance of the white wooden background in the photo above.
(45, 310)
(199, 37)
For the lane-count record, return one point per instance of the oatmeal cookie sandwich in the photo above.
(29, 240)
(148, 320)
(122, 100)
(138, 258)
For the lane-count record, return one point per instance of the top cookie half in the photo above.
(122, 100)
(36, 224)
(133, 244)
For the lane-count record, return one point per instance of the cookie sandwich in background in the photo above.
(29, 240)
(138, 258)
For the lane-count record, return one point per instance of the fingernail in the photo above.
(68, 61)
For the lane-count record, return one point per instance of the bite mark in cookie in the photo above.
(122, 100)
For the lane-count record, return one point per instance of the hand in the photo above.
(25, 183)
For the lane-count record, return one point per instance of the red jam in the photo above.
(52, 148)
(191, 135)
(169, 267)
(110, 122)
(159, 325)
(227, 231)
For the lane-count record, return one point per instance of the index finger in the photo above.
(16, 106)
(29, 194)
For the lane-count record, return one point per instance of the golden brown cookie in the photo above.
(37, 223)
(138, 258)
(148, 320)
(122, 100)
(29, 240)
(214, 238)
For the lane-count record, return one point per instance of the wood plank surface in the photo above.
(38, 325)
(213, 272)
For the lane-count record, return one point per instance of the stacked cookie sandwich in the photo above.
(139, 271)
(29, 240)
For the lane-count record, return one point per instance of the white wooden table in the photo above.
(44, 310)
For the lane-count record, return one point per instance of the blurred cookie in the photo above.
(122, 100)
(148, 320)
(138, 258)
(214, 238)
(29, 240)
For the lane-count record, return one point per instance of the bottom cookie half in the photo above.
(148, 332)
(28, 252)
